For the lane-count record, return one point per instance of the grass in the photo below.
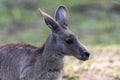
(102, 65)
(117, 75)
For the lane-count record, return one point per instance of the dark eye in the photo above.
(69, 41)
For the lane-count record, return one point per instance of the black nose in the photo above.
(87, 54)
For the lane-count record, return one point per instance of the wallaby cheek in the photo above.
(62, 46)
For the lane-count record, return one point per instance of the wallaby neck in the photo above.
(50, 50)
(52, 60)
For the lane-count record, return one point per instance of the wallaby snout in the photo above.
(87, 54)
(84, 57)
(81, 52)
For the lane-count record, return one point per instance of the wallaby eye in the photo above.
(69, 41)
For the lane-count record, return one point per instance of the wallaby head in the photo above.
(65, 41)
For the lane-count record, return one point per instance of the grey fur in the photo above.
(26, 62)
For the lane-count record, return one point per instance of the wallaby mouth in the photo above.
(85, 56)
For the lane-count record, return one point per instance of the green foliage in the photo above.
(73, 77)
(117, 75)
(35, 37)
(100, 28)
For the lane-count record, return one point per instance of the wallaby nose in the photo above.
(87, 54)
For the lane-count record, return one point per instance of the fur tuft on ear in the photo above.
(51, 23)
(61, 16)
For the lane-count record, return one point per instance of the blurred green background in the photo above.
(96, 22)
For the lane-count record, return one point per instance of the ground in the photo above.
(104, 64)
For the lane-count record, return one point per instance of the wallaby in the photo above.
(26, 62)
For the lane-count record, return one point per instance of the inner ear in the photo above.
(50, 22)
(61, 16)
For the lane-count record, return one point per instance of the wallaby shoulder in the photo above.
(11, 45)
(22, 46)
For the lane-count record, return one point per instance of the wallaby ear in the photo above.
(61, 16)
(51, 23)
